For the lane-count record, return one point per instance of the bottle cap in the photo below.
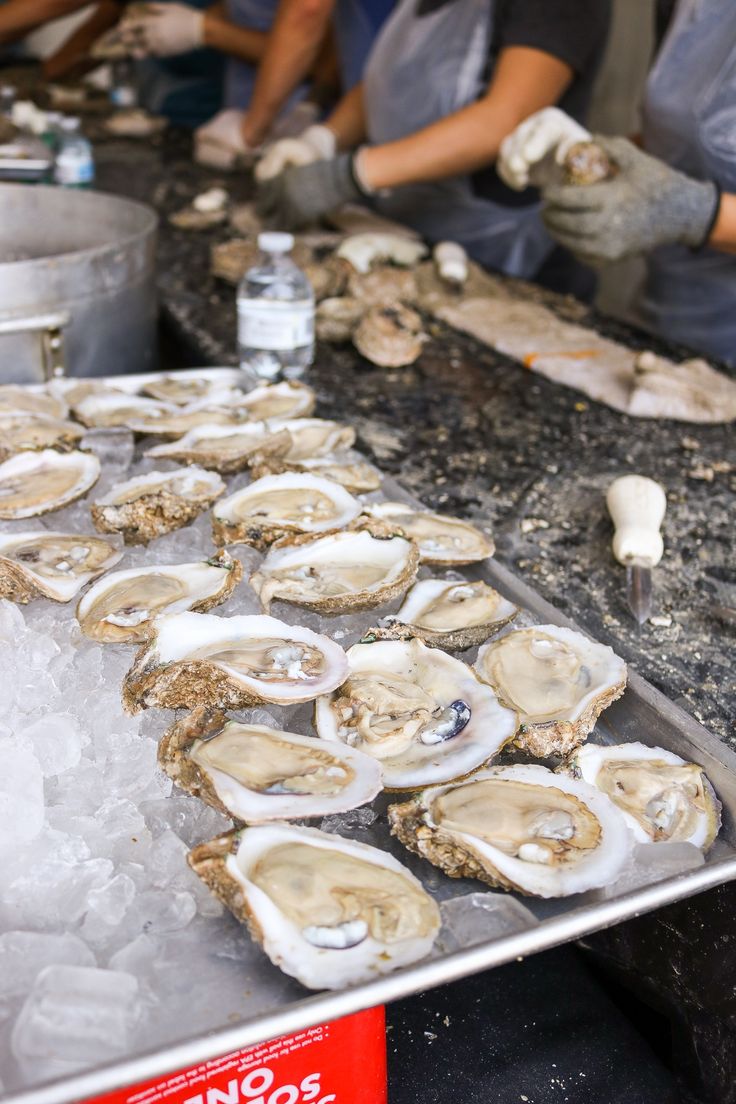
(275, 242)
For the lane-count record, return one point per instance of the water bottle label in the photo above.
(263, 328)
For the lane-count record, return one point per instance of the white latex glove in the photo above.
(164, 30)
(317, 143)
(219, 144)
(549, 132)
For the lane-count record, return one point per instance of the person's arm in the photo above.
(347, 121)
(72, 58)
(19, 17)
(220, 33)
(724, 231)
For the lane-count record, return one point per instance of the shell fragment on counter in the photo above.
(34, 483)
(521, 828)
(338, 573)
(43, 564)
(257, 774)
(364, 250)
(663, 798)
(231, 662)
(355, 475)
(389, 336)
(441, 540)
(39, 403)
(558, 680)
(287, 399)
(451, 614)
(120, 608)
(279, 505)
(20, 432)
(328, 911)
(422, 713)
(313, 437)
(225, 449)
(148, 506)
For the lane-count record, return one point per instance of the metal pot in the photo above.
(77, 284)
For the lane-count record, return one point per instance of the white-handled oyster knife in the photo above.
(637, 506)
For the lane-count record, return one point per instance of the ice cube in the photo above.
(158, 910)
(24, 954)
(114, 448)
(110, 902)
(349, 821)
(53, 890)
(191, 820)
(12, 622)
(57, 741)
(166, 859)
(654, 862)
(479, 918)
(21, 793)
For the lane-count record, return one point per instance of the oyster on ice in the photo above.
(278, 505)
(226, 449)
(337, 573)
(663, 798)
(110, 408)
(19, 432)
(389, 336)
(312, 437)
(33, 483)
(231, 662)
(193, 388)
(258, 774)
(521, 828)
(43, 564)
(451, 614)
(147, 506)
(354, 475)
(175, 421)
(442, 540)
(326, 910)
(21, 400)
(558, 680)
(288, 399)
(422, 713)
(120, 608)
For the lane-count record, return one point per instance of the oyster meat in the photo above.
(422, 713)
(21, 400)
(258, 774)
(354, 475)
(312, 437)
(120, 608)
(663, 798)
(193, 388)
(43, 564)
(175, 421)
(33, 483)
(441, 540)
(226, 449)
(231, 662)
(558, 680)
(109, 408)
(521, 828)
(451, 614)
(19, 432)
(288, 399)
(150, 505)
(278, 505)
(326, 910)
(389, 336)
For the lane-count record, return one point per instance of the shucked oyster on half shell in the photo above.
(311, 437)
(258, 774)
(226, 449)
(231, 662)
(21, 400)
(451, 614)
(193, 388)
(354, 475)
(326, 910)
(52, 565)
(19, 432)
(441, 540)
(33, 483)
(422, 713)
(337, 573)
(521, 828)
(110, 408)
(288, 399)
(147, 506)
(279, 505)
(120, 608)
(558, 680)
(663, 798)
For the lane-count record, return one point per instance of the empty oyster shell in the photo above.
(421, 712)
(663, 798)
(451, 614)
(288, 399)
(33, 483)
(441, 540)
(258, 774)
(336, 319)
(231, 662)
(279, 505)
(328, 277)
(355, 476)
(558, 680)
(192, 388)
(385, 285)
(337, 573)
(21, 400)
(226, 449)
(21, 432)
(587, 163)
(389, 336)
(521, 827)
(150, 505)
(120, 608)
(365, 250)
(326, 910)
(51, 565)
(312, 437)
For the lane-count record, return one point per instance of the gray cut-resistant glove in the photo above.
(644, 205)
(303, 193)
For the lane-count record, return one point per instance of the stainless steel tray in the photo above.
(642, 714)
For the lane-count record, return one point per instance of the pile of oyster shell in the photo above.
(401, 710)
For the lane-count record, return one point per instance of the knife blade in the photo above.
(637, 507)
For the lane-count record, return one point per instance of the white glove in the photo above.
(547, 132)
(164, 30)
(317, 143)
(219, 144)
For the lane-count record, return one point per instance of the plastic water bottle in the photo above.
(275, 314)
(75, 166)
(123, 92)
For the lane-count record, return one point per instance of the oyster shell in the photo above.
(587, 163)
(521, 828)
(134, 122)
(193, 388)
(328, 277)
(19, 432)
(451, 263)
(365, 250)
(311, 437)
(441, 540)
(226, 449)
(288, 399)
(258, 774)
(21, 400)
(33, 483)
(231, 662)
(144, 415)
(422, 713)
(338, 573)
(230, 260)
(336, 319)
(150, 505)
(389, 336)
(558, 680)
(108, 409)
(120, 608)
(326, 910)
(385, 285)
(662, 797)
(43, 564)
(279, 505)
(451, 614)
(355, 476)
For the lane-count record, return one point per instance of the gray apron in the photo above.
(420, 70)
(690, 122)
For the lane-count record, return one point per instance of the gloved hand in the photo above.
(303, 193)
(549, 131)
(316, 143)
(645, 205)
(219, 144)
(164, 30)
